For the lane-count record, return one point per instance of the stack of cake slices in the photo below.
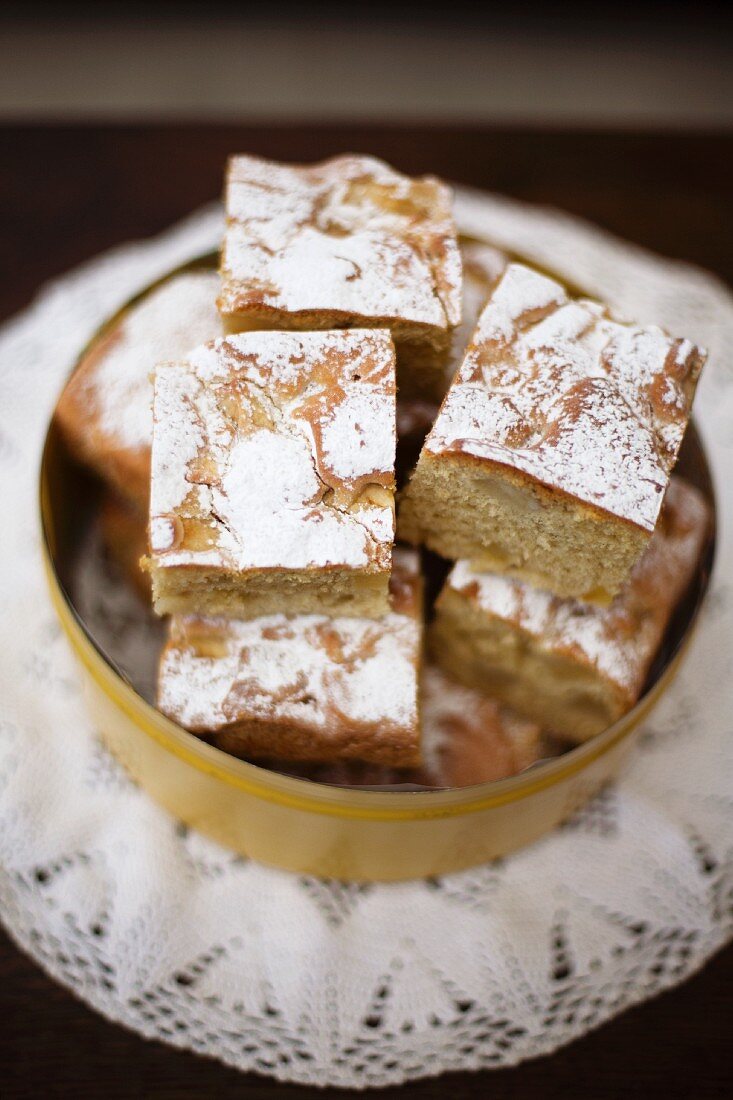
(546, 480)
(290, 397)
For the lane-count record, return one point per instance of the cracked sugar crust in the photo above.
(323, 688)
(348, 236)
(620, 639)
(275, 450)
(556, 389)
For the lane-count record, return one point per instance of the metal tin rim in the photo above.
(320, 798)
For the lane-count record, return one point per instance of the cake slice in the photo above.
(105, 412)
(468, 737)
(553, 448)
(573, 667)
(303, 688)
(273, 476)
(344, 243)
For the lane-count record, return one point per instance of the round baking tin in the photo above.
(341, 832)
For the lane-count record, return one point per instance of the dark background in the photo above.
(69, 191)
(116, 119)
(568, 63)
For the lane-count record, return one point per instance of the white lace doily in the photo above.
(313, 981)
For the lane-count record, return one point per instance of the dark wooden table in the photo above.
(66, 193)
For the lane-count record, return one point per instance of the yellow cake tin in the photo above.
(351, 833)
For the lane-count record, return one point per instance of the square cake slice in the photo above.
(347, 242)
(303, 688)
(553, 448)
(106, 410)
(273, 475)
(573, 667)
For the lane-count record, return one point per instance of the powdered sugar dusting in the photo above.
(349, 235)
(356, 435)
(163, 533)
(164, 325)
(275, 517)
(280, 448)
(325, 675)
(619, 640)
(178, 437)
(558, 390)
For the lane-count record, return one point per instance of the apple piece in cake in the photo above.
(345, 243)
(105, 412)
(303, 688)
(574, 667)
(553, 448)
(273, 475)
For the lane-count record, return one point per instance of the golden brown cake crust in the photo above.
(105, 411)
(303, 688)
